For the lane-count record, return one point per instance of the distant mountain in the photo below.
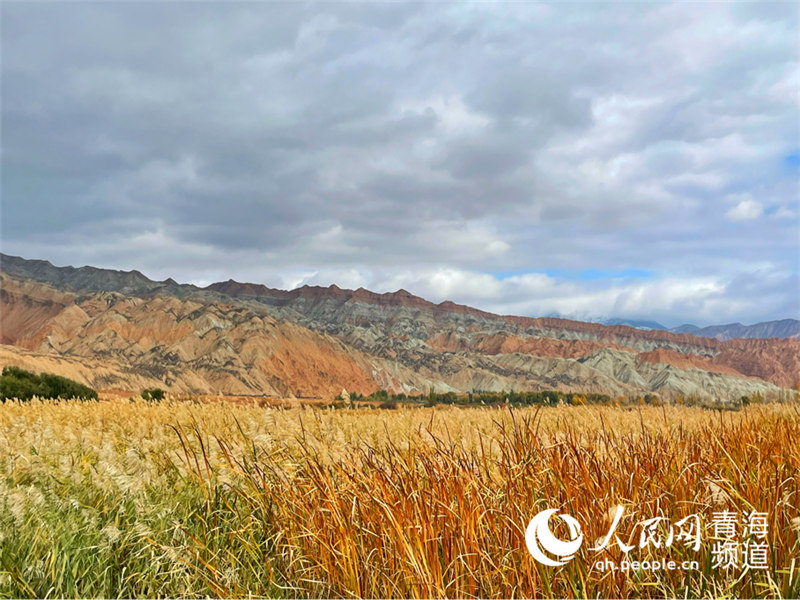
(85, 278)
(646, 325)
(121, 330)
(784, 328)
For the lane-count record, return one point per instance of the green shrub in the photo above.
(24, 385)
(379, 396)
(153, 394)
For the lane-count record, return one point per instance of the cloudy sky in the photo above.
(591, 160)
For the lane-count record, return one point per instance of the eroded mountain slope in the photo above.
(246, 338)
(184, 345)
(402, 327)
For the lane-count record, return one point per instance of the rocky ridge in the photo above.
(783, 328)
(245, 338)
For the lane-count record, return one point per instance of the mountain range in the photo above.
(783, 328)
(121, 330)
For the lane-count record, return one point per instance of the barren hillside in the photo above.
(116, 329)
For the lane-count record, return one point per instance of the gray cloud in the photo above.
(303, 142)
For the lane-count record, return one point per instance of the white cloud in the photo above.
(441, 284)
(418, 146)
(455, 117)
(344, 278)
(785, 212)
(474, 241)
(673, 300)
(745, 210)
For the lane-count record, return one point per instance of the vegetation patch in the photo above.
(172, 499)
(153, 394)
(16, 383)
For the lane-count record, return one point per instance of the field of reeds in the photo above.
(130, 499)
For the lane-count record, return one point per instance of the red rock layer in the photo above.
(211, 347)
(507, 344)
(27, 307)
(773, 359)
(37, 317)
(686, 361)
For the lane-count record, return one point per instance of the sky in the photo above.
(621, 160)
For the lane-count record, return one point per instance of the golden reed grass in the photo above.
(187, 500)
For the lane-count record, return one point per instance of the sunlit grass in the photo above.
(119, 499)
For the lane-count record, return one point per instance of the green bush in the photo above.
(24, 385)
(153, 394)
